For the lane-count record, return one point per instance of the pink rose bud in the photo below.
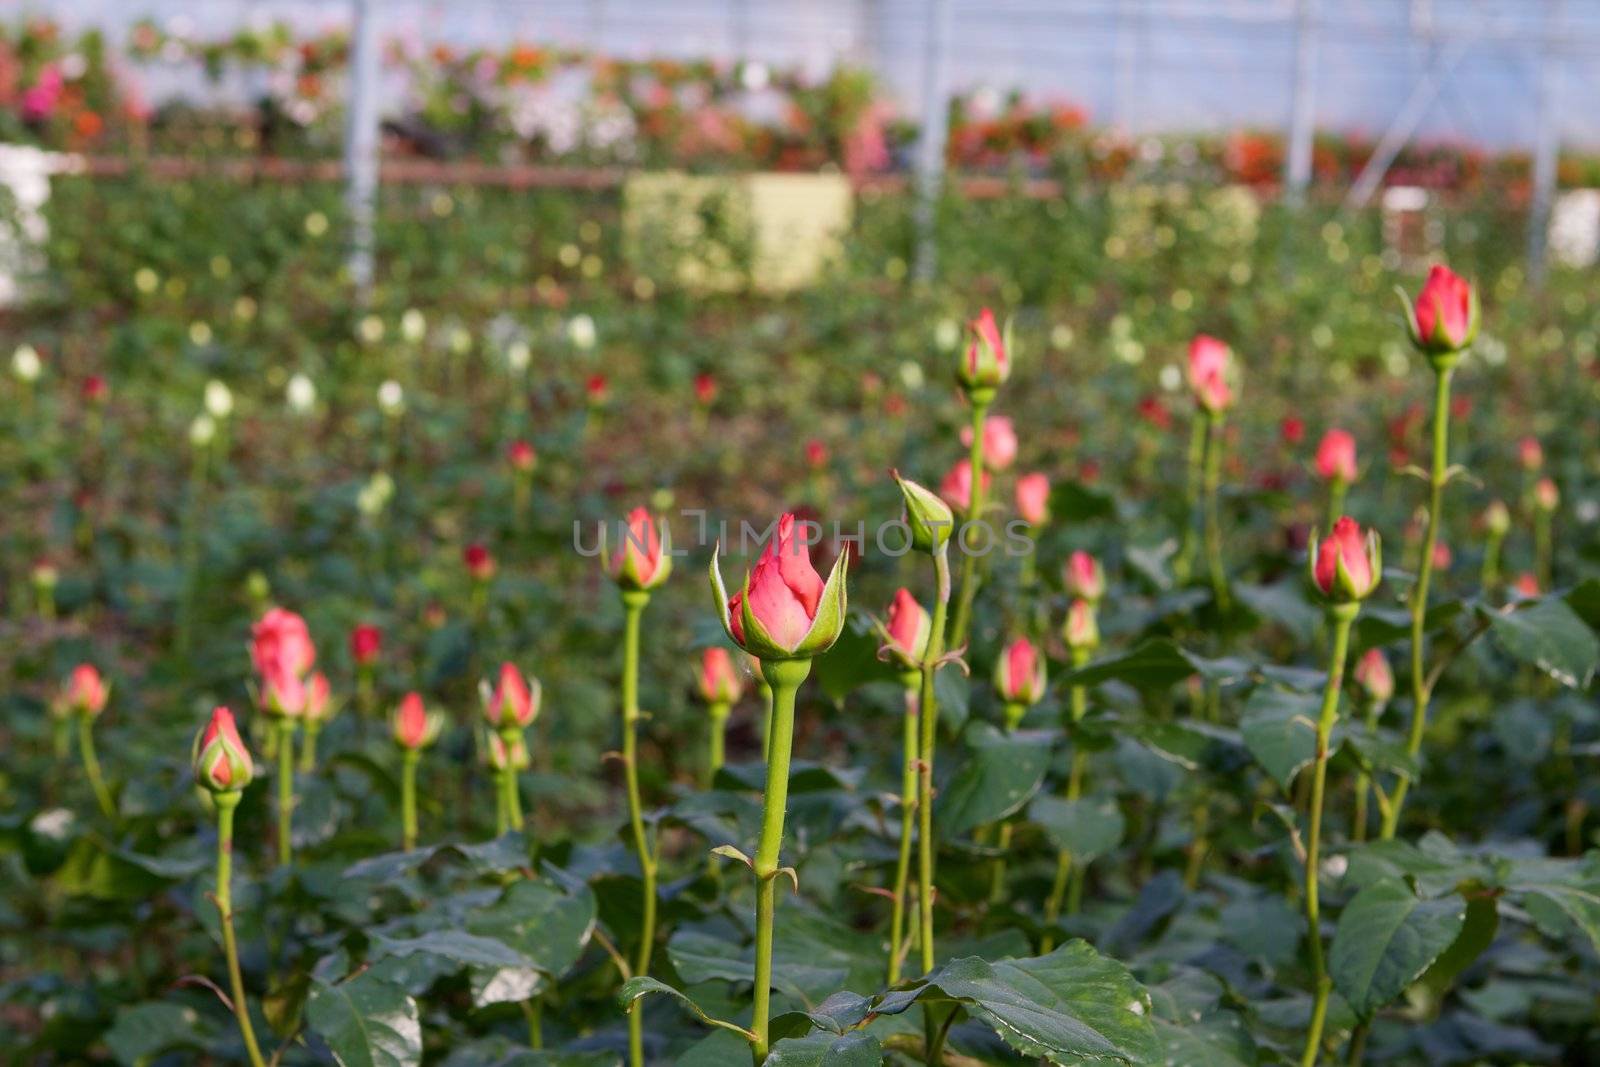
(1084, 578)
(1444, 318)
(1530, 454)
(1374, 677)
(999, 442)
(319, 698)
(816, 454)
(908, 630)
(957, 485)
(282, 636)
(478, 561)
(1211, 374)
(1526, 586)
(1033, 498)
(705, 389)
(785, 609)
(414, 726)
(642, 560)
(597, 390)
(1336, 457)
(513, 756)
(1347, 565)
(513, 702)
(221, 762)
(717, 680)
(1292, 430)
(1082, 629)
(521, 456)
(94, 389)
(86, 692)
(986, 364)
(1546, 495)
(1019, 674)
(366, 643)
(1442, 556)
(1497, 518)
(283, 692)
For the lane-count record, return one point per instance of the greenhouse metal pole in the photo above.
(1303, 110)
(361, 143)
(931, 145)
(1547, 146)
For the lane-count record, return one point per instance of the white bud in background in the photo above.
(581, 332)
(519, 356)
(391, 399)
(301, 394)
(461, 340)
(219, 399)
(26, 364)
(202, 431)
(370, 329)
(375, 495)
(413, 327)
(947, 335)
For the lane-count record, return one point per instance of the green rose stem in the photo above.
(1068, 873)
(1341, 615)
(717, 754)
(981, 399)
(91, 766)
(1373, 711)
(633, 603)
(308, 747)
(1421, 690)
(785, 676)
(1183, 566)
(1213, 450)
(1014, 711)
(509, 739)
(1541, 547)
(408, 797)
(284, 728)
(1489, 578)
(1336, 494)
(502, 814)
(766, 722)
(928, 714)
(908, 812)
(226, 803)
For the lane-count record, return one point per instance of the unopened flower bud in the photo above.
(1082, 629)
(1084, 577)
(643, 558)
(1019, 673)
(907, 631)
(1546, 496)
(716, 680)
(986, 363)
(1374, 677)
(930, 519)
(413, 726)
(514, 701)
(221, 762)
(1443, 320)
(1348, 565)
(1497, 518)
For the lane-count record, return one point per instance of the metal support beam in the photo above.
(1404, 124)
(935, 127)
(1303, 109)
(363, 134)
(1547, 145)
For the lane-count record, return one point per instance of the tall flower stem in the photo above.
(785, 676)
(908, 813)
(1489, 578)
(633, 603)
(91, 766)
(1421, 692)
(766, 721)
(408, 798)
(1542, 548)
(1336, 495)
(928, 714)
(508, 779)
(308, 747)
(969, 558)
(226, 803)
(1363, 786)
(1067, 873)
(997, 870)
(717, 754)
(1183, 565)
(1342, 615)
(1213, 450)
(285, 731)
